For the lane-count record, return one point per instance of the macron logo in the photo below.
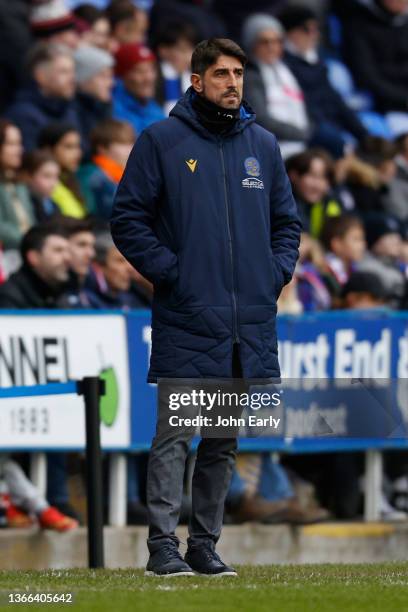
(192, 164)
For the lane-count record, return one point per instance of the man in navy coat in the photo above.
(206, 213)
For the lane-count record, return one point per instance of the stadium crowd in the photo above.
(80, 81)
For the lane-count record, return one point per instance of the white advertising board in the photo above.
(39, 349)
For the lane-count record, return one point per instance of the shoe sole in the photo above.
(220, 575)
(171, 575)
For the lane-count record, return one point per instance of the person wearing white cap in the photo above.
(94, 79)
(271, 88)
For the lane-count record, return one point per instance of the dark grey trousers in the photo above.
(211, 479)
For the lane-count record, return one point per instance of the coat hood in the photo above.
(184, 110)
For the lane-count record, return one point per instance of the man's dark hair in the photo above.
(43, 53)
(337, 227)
(208, 51)
(88, 13)
(35, 238)
(70, 226)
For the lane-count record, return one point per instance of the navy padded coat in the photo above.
(212, 222)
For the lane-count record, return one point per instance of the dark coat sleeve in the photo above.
(285, 222)
(135, 212)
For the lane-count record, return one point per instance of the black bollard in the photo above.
(92, 388)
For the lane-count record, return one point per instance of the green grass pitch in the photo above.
(295, 588)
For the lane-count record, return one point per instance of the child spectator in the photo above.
(364, 290)
(311, 276)
(64, 143)
(16, 210)
(129, 23)
(174, 45)
(93, 26)
(311, 175)
(111, 143)
(40, 173)
(344, 240)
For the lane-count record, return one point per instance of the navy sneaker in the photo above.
(167, 561)
(205, 561)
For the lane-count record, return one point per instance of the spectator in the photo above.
(63, 141)
(344, 240)
(174, 45)
(329, 113)
(94, 26)
(24, 501)
(384, 259)
(129, 23)
(311, 175)
(81, 242)
(402, 162)
(40, 172)
(52, 22)
(49, 97)
(311, 276)
(235, 12)
(112, 276)
(111, 143)
(133, 96)
(94, 78)
(392, 194)
(16, 211)
(376, 49)
(40, 280)
(271, 88)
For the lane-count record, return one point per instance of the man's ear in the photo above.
(32, 258)
(197, 83)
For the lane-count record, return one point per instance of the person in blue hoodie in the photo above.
(134, 91)
(205, 212)
(49, 95)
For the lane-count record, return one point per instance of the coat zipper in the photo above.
(227, 209)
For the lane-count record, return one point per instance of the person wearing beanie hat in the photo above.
(384, 240)
(133, 94)
(336, 126)
(271, 88)
(94, 78)
(53, 22)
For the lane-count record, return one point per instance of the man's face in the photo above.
(82, 251)
(140, 81)
(117, 271)
(52, 262)
(57, 78)
(222, 83)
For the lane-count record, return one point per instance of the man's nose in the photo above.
(232, 80)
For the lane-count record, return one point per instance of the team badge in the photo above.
(252, 166)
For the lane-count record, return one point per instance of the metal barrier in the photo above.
(91, 388)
